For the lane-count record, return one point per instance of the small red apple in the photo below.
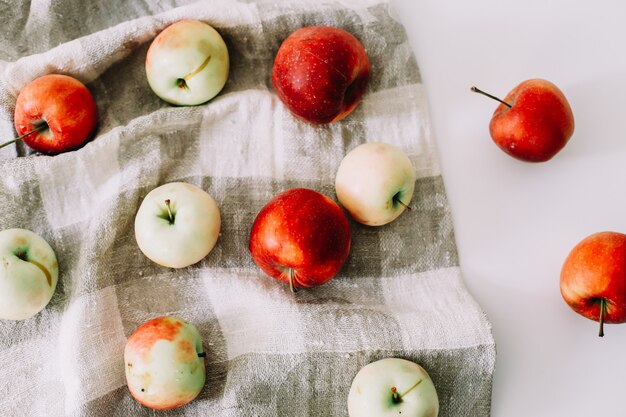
(593, 278)
(300, 237)
(320, 73)
(55, 113)
(533, 122)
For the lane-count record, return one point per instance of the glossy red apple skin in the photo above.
(537, 126)
(303, 230)
(594, 270)
(65, 104)
(321, 73)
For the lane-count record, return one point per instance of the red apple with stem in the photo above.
(533, 122)
(300, 237)
(320, 73)
(593, 278)
(54, 113)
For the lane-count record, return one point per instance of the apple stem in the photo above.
(23, 255)
(602, 311)
(43, 269)
(476, 90)
(202, 354)
(182, 82)
(397, 398)
(169, 211)
(41, 126)
(292, 287)
(411, 389)
(404, 205)
(200, 68)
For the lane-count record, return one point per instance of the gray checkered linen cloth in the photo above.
(269, 352)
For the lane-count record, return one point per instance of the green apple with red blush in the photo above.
(320, 73)
(54, 113)
(300, 237)
(593, 278)
(375, 183)
(187, 63)
(533, 122)
(164, 363)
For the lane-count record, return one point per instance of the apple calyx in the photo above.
(602, 312)
(476, 90)
(23, 255)
(201, 354)
(39, 126)
(396, 397)
(182, 82)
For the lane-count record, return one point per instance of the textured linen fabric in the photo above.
(269, 352)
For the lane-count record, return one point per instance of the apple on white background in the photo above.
(177, 225)
(28, 274)
(164, 363)
(393, 387)
(375, 183)
(533, 122)
(187, 63)
(593, 278)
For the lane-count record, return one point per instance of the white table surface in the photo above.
(516, 222)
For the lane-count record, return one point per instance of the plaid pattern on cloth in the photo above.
(269, 352)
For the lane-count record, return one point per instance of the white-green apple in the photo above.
(28, 276)
(375, 183)
(187, 63)
(392, 387)
(164, 363)
(177, 224)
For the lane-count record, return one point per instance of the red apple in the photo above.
(58, 110)
(533, 122)
(300, 237)
(320, 73)
(593, 278)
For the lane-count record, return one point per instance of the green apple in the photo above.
(164, 363)
(28, 276)
(393, 387)
(375, 183)
(187, 63)
(177, 225)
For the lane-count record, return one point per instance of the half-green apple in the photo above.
(28, 275)
(177, 225)
(375, 183)
(164, 363)
(187, 63)
(392, 387)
